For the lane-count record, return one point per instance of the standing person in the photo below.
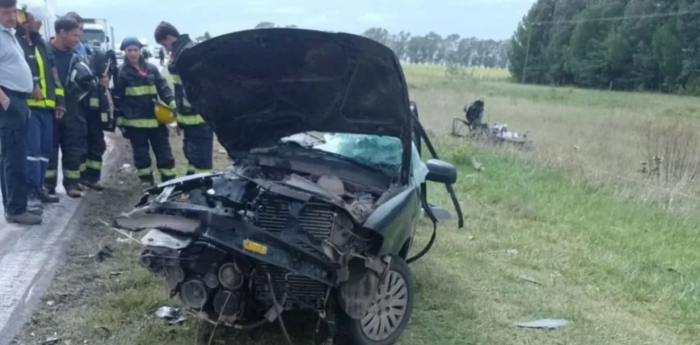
(96, 109)
(137, 85)
(81, 49)
(16, 84)
(199, 137)
(70, 131)
(161, 56)
(46, 103)
(86, 106)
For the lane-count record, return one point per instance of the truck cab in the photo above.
(95, 36)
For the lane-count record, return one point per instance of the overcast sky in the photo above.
(494, 19)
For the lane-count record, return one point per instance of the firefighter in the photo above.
(70, 131)
(98, 119)
(198, 136)
(137, 86)
(46, 103)
(81, 49)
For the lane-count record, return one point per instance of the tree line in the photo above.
(435, 49)
(615, 44)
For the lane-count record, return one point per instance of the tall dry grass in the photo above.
(598, 137)
(672, 153)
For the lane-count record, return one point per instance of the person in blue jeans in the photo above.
(45, 103)
(15, 87)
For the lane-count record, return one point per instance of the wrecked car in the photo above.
(320, 207)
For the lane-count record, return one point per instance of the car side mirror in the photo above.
(441, 171)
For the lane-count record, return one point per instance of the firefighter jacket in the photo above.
(186, 114)
(41, 63)
(101, 63)
(136, 90)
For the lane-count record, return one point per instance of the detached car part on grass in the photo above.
(292, 225)
(496, 135)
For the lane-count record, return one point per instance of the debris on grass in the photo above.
(51, 341)
(127, 168)
(507, 251)
(529, 280)
(476, 165)
(543, 324)
(104, 253)
(172, 315)
(103, 328)
(127, 236)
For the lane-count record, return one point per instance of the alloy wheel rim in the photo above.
(388, 310)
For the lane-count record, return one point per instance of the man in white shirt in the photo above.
(16, 83)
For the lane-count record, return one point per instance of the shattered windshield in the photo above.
(374, 150)
(381, 152)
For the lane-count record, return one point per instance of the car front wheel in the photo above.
(390, 312)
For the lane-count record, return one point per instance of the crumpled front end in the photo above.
(240, 246)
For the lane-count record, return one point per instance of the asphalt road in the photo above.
(30, 256)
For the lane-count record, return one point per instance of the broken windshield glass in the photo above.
(380, 151)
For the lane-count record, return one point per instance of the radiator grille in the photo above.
(316, 219)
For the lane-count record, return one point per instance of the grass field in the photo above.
(612, 252)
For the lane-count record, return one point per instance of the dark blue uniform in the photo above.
(69, 132)
(136, 89)
(199, 137)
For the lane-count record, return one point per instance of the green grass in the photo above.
(623, 273)
(621, 270)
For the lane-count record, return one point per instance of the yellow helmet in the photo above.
(164, 114)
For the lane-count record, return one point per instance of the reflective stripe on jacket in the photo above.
(41, 63)
(136, 91)
(186, 114)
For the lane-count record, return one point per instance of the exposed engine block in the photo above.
(315, 218)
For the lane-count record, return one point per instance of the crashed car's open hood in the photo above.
(257, 85)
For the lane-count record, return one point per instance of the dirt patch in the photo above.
(91, 300)
(85, 274)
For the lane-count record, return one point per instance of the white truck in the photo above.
(97, 34)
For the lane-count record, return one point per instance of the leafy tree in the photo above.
(265, 25)
(434, 49)
(620, 44)
(203, 38)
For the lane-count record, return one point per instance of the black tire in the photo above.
(352, 332)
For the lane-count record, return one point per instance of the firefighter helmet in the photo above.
(81, 81)
(164, 114)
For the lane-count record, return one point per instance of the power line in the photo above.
(615, 18)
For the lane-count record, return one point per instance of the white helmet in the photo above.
(39, 9)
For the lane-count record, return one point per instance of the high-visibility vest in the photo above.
(49, 98)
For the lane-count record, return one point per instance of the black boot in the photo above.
(48, 197)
